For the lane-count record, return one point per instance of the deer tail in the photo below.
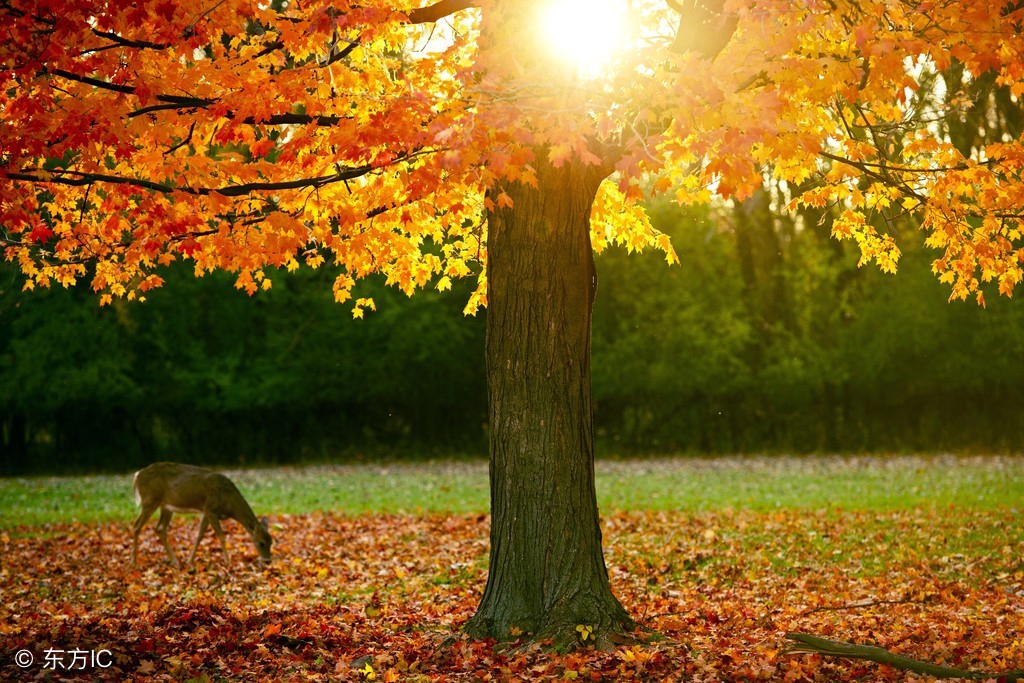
(135, 487)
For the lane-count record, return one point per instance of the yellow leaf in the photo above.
(585, 631)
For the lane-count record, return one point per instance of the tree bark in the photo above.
(547, 573)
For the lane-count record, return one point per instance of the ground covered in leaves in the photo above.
(381, 597)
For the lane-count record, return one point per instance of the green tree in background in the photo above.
(670, 347)
(66, 364)
(217, 377)
(803, 352)
(698, 358)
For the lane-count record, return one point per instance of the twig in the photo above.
(865, 603)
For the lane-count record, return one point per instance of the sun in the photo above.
(584, 34)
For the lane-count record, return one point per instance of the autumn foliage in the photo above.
(348, 597)
(372, 135)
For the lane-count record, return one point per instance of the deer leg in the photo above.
(215, 523)
(140, 522)
(161, 531)
(204, 521)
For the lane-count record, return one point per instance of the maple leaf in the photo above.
(504, 201)
(559, 154)
(40, 232)
(261, 148)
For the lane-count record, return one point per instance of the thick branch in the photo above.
(89, 80)
(703, 26)
(271, 119)
(78, 179)
(808, 644)
(170, 102)
(340, 54)
(439, 10)
(126, 42)
(298, 119)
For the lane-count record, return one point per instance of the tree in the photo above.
(425, 142)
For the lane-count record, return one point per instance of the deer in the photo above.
(172, 487)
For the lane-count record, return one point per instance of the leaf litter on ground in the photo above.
(381, 597)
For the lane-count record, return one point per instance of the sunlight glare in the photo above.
(584, 34)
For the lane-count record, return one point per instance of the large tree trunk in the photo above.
(547, 573)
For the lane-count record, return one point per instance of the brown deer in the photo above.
(185, 488)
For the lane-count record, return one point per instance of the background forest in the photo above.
(768, 338)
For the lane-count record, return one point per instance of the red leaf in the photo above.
(40, 232)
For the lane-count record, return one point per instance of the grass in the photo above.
(687, 484)
(813, 482)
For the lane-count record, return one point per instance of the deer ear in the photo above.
(265, 523)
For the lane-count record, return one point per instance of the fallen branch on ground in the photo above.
(808, 644)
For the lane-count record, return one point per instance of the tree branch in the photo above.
(439, 10)
(340, 54)
(703, 26)
(170, 102)
(79, 179)
(269, 120)
(187, 140)
(76, 178)
(808, 644)
(89, 80)
(180, 102)
(864, 604)
(127, 42)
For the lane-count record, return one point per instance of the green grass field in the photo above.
(688, 484)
